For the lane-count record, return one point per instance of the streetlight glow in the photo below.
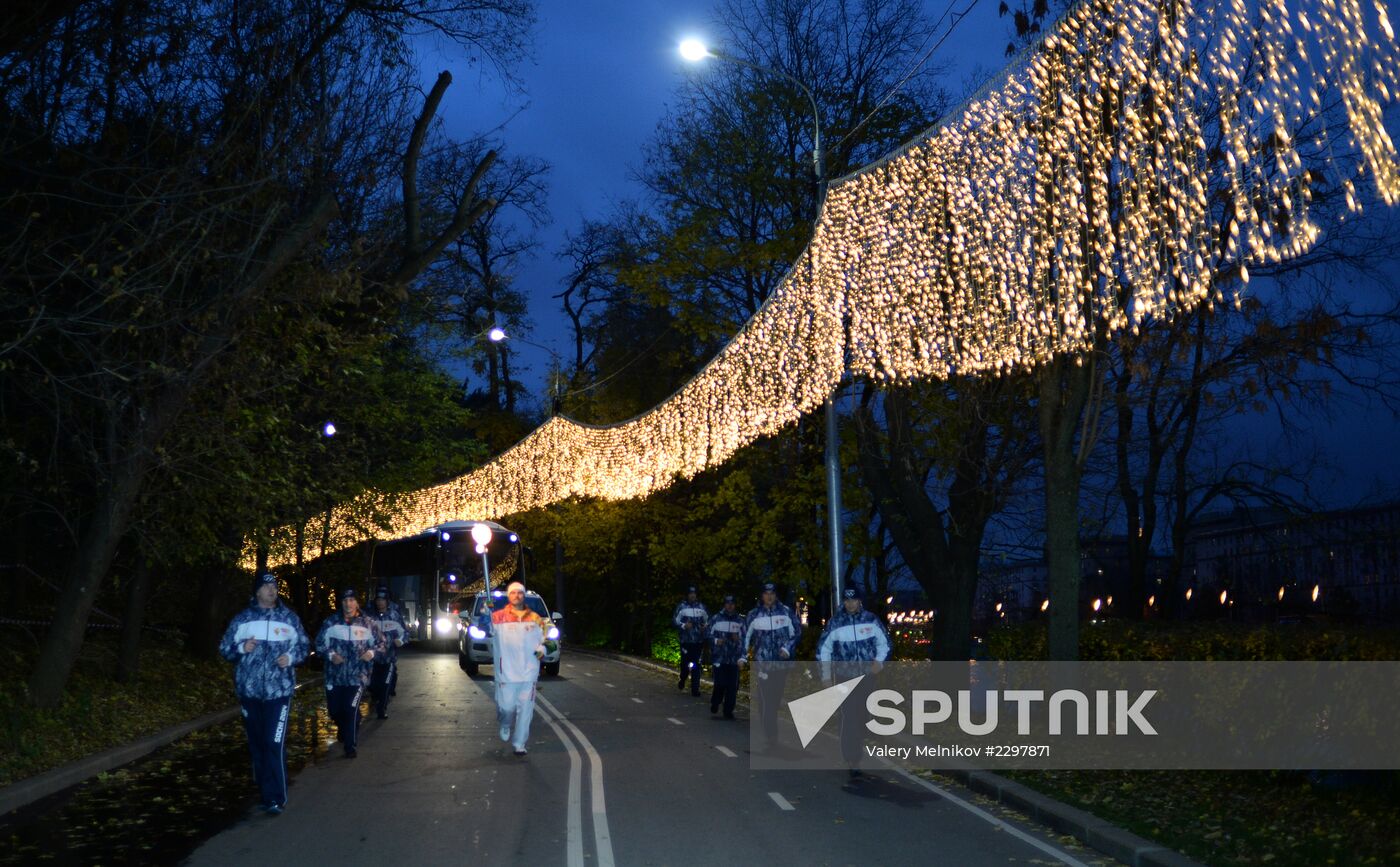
(694, 50)
(496, 335)
(328, 429)
(481, 534)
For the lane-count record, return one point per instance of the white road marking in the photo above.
(638, 701)
(575, 822)
(589, 674)
(781, 801)
(728, 752)
(1063, 857)
(674, 720)
(610, 686)
(602, 838)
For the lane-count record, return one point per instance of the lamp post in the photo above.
(694, 50)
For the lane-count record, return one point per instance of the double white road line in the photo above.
(602, 839)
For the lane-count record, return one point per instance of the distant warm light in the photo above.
(998, 606)
(693, 50)
(1152, 601)
(1280, 594)
(1188, 594)
(1098, 603)
(1223, 594)
(1044, 606)
(986, 246)
(1109, 601)
(1317, 589)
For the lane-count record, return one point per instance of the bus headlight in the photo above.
(553, 633)
(476, 632)
(442, 625)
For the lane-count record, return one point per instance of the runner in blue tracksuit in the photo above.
(689, 620)
(771, 630)
(349, 643)
(266, 641)
(853, 645)
(726, 639)
(393, 631)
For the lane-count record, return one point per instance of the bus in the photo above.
(436, 574)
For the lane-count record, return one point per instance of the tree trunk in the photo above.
(129, 660)
(300, 584)
(952, 634)
(98, 543)
(1064, 391)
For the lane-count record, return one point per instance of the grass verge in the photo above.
(97, 712)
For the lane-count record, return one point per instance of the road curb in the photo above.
(1094, 832)
(25, 792)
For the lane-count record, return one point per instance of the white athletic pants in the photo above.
(515, 707)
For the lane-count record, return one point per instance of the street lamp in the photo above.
(498, 335)
(694, 50)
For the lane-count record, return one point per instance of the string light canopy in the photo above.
(1132, 166)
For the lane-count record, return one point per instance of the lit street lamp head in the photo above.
(496, 335)
(694, 50)
(328, 429)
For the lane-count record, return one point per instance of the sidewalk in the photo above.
(1085, 827)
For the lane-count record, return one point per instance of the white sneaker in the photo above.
(505, 733)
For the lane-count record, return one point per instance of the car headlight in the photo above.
(443, 625)
(476, 632)
(553, 633)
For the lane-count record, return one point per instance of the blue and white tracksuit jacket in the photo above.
(349, 639)
(390, 626)
(690, 619)
(726, 638)
(852, 639)
(265, 688)
(278, 630)
(767, 630)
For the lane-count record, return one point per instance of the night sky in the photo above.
(604, 73)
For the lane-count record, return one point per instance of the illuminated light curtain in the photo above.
(1144, 155)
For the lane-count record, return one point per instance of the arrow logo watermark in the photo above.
(811, 712)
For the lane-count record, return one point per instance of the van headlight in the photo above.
(442, 625)
(553, 634)
(476, 632)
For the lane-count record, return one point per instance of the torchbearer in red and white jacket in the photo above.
(518, 639)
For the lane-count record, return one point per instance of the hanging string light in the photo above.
(1133, 166)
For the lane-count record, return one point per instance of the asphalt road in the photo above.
(623, 769)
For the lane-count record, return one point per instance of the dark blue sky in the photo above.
(603, 75)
